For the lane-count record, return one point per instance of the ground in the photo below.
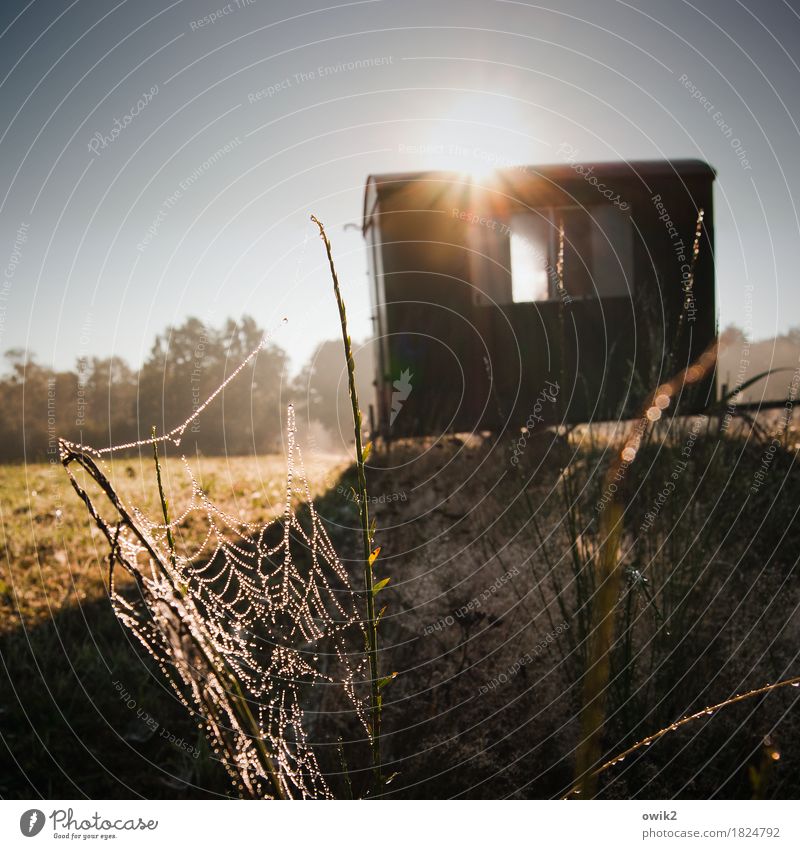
(486, 622)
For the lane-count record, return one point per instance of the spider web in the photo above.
(246, 626)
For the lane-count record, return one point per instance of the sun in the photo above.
(480, 133)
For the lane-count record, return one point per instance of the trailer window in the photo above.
(598, 252)
(530, 257)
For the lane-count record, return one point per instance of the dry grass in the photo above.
(53, 555)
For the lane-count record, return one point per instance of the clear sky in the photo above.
(231, 131)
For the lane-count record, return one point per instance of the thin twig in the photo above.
(760, 691)
(163, 497)
(363, 503)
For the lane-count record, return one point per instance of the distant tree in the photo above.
(732, 336)
(105, 402)
(793, 336)
(321, 388)
(187, 363)
(35, 408)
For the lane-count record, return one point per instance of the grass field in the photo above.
(83, 705)
(486, 622)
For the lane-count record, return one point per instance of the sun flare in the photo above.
(478, 135)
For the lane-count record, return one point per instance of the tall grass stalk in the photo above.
(607, 575)
(363, 504)
(601, 636)
(162, 496)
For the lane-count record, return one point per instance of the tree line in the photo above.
(103, 401)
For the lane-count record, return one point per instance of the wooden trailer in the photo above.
(573, 284)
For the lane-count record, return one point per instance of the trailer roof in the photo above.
(380, 185)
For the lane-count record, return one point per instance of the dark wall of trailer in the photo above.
(476, 365)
